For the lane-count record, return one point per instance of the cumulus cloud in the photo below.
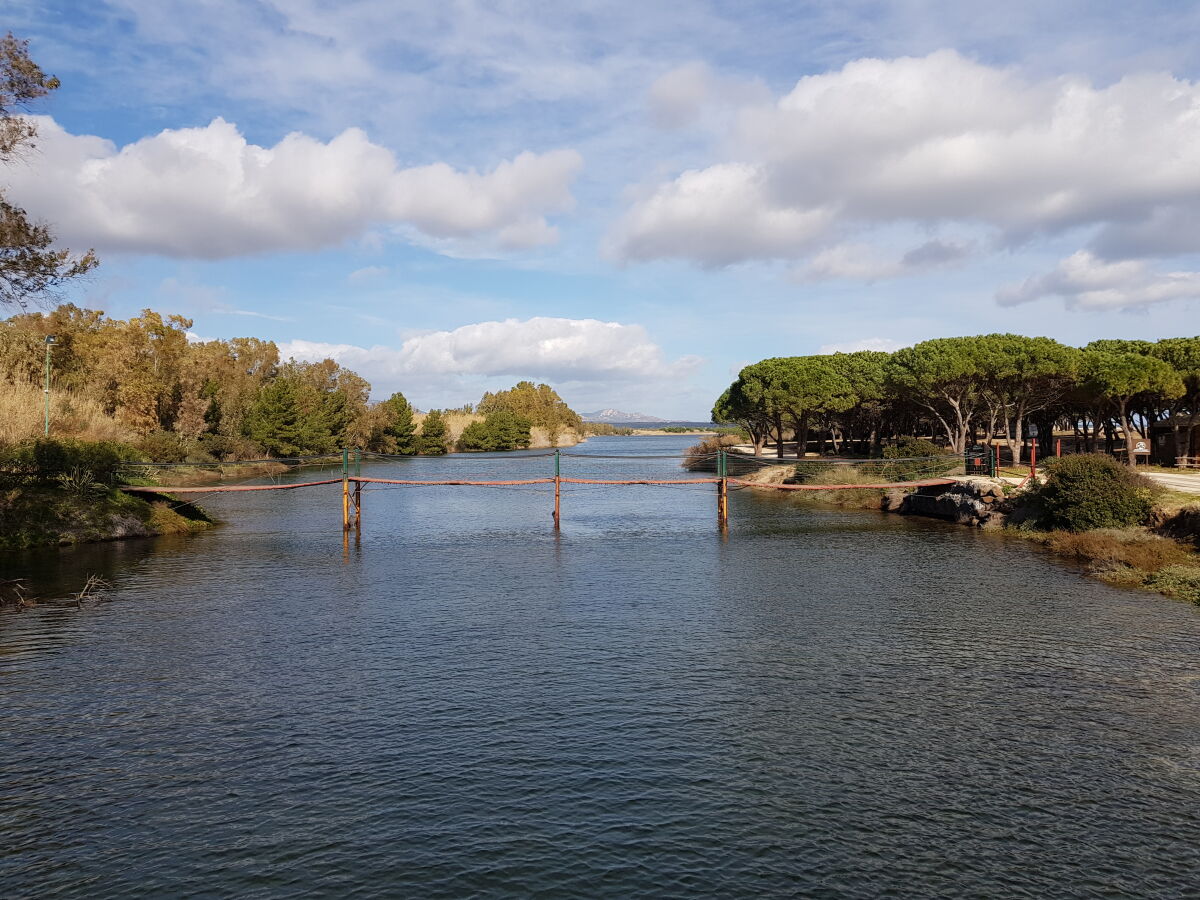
(208, 193)
(886, 345)
(934, 140)
(540, 347)
(1085, 281)
(717, 216)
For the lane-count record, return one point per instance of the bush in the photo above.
(64, 462)
(702, 457)
(1089, 491)
(917, 458)
(163, 446)
(907, 447)
(501, 430)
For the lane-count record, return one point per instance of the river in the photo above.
(824, 703)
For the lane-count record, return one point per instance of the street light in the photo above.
(49, 340)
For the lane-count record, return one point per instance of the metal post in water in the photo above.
(557, 488)
(722, 491)
(345, 489)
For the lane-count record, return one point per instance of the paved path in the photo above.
(1189, 484)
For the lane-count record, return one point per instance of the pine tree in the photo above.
(399, 428)
(275, 421)
(432, 441)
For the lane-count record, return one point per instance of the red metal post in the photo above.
(1058, 447)
(1033, 457)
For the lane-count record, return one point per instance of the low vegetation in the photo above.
(1092, 509)
(1090, 491)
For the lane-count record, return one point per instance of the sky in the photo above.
(629, 201)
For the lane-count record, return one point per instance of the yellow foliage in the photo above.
(22, 415)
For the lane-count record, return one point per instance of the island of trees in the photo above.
(1106, 394)
(143, 382)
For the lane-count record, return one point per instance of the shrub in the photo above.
(702, 457)
(63, 462)
(1089, 491)
(917, 458)
(907, 447)
(501, 430)
(1181, 582)
(163, 446)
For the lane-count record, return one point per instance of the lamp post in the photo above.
(49, 340)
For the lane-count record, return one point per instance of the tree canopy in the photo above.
(959, 388)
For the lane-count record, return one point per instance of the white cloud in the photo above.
(717, 216)
(926, 141)
(208, 193)
(862, 262)
(1084, 281)
(886, 345)
(541, 347)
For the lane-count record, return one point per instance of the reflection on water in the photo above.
(832, 703)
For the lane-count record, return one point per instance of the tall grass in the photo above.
(22, 415)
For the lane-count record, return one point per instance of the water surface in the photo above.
(828, 703)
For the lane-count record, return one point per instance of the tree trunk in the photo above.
(779, 436)
(1127, 430)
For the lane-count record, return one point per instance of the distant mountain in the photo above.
(615, 415)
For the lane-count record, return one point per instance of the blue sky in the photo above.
(627, 200)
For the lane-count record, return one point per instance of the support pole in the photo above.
(46, 390)
(557, 489)
(996, 470)
(345, 489)
(1033, 457)
(358, 506)
(1058, 447)
(722, 491)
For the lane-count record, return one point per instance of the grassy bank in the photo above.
(1133, 557)
(47, 516)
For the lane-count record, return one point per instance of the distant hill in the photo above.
(615, 415)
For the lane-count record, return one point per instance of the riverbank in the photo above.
(48, 516)
(1161, 557)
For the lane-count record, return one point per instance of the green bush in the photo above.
(501, 430)
(917, 458)
(63, 462)
(1181, 582)
(163, 446)
(907, 447)
(1089, 491)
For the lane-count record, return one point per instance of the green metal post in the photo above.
(357, 461)
(345, 462)
(47, 389)
(557, 463)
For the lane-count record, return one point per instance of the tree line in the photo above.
(962, 389)
(177, 398)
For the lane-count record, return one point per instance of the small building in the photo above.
(1162, 440)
